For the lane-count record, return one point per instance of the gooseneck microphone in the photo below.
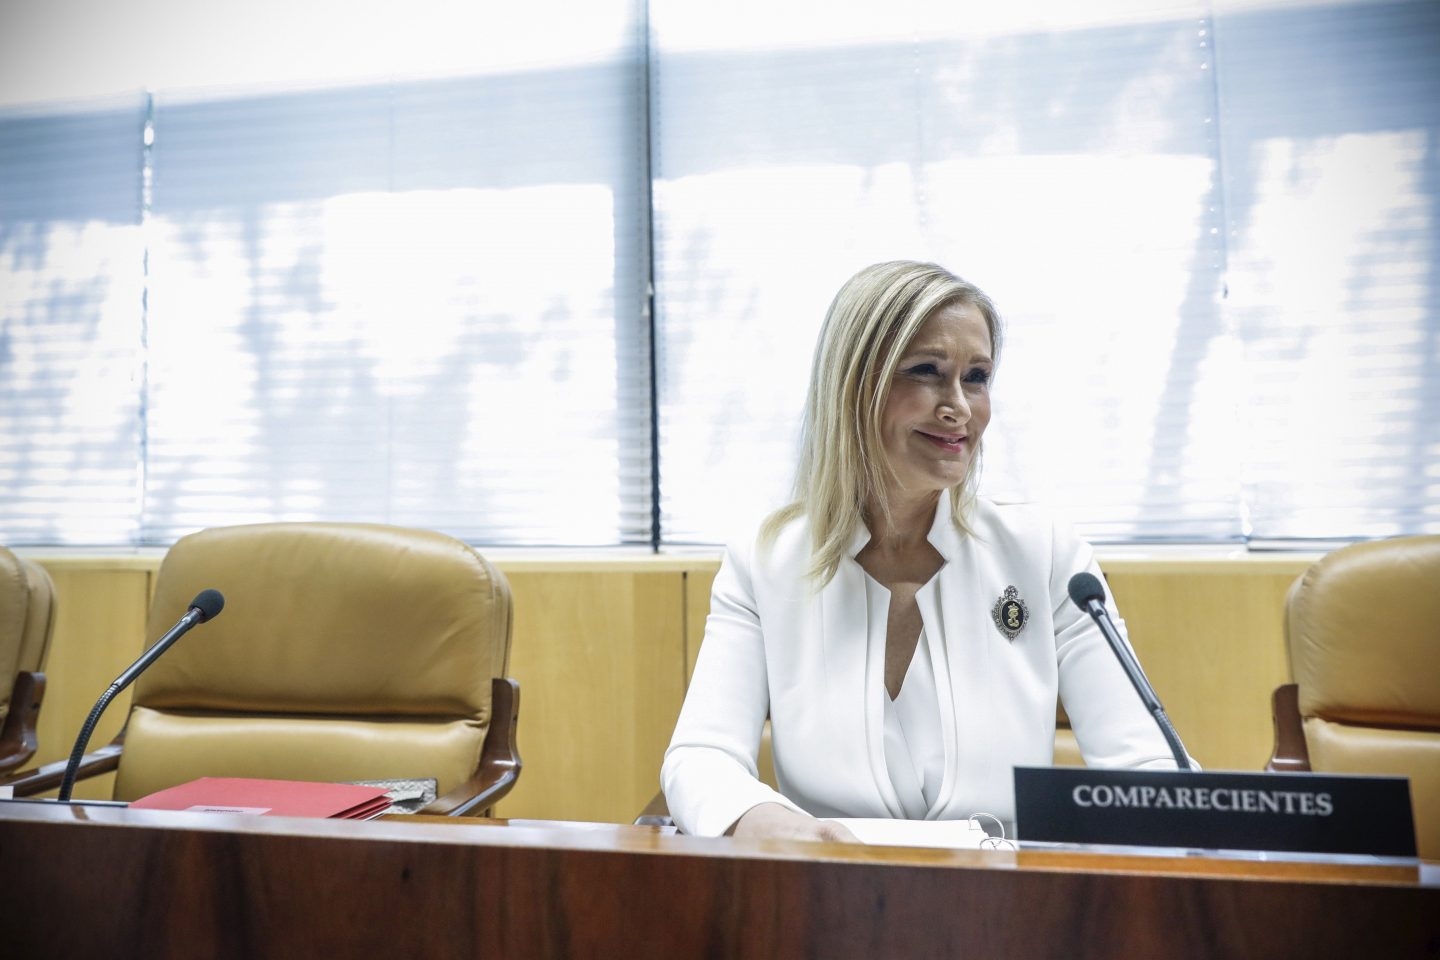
(206, 606)
(1089, 595)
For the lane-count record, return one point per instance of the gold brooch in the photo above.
(1010, 613)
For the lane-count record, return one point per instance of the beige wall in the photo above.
(603, 646)
(1211, 637)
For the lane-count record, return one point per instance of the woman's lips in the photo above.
(953, 443)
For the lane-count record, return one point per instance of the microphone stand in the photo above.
(1095, 606)
(207, 604)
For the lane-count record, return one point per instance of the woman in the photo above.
(906, 639)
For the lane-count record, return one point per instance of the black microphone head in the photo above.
(209, 603)
(1084, 587)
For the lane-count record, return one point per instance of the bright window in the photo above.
(552, 274)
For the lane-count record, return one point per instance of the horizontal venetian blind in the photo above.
(397, 272)
(413, 303)
(1331, 127)
(71, 289)
(1062, 158)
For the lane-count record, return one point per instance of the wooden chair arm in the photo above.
(1291, 755)
(499, 766)
(18, 740)
(28, 783)
(656, 813)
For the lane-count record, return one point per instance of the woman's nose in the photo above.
(954, 406)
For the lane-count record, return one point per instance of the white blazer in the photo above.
(775, 646)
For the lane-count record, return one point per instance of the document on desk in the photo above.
(951, 834)
(273, 798)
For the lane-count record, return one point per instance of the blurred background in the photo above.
(551, 273)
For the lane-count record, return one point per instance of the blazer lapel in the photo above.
(951, 652)
(853, 675)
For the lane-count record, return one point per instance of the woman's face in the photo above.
(939, 403)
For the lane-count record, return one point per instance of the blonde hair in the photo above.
(842, 467)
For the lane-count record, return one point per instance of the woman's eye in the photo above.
(923, 370)
(978, 376)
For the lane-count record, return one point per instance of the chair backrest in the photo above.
(1363, 631)
(27, 623)
(344, 652)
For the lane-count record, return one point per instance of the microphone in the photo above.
(206, 606)
(1088, 594)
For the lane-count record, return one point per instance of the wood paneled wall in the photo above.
(600, 660)
(99, 631)
(602, 649)
(1211, 638)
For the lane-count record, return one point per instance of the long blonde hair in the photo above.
(842, 467)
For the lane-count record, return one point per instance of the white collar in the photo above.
(943, 536)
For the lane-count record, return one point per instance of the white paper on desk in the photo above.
(952, 834)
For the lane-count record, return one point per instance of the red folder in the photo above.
(270, 798)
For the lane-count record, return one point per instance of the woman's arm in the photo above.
(710, 775)
(1111, 724)
(775, 821)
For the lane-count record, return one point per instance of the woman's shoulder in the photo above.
(1010, 515)
(774, 538)
(765, 560)
(1012, 519)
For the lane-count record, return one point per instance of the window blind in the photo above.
(1064, 161)
(71, 289)
(397, 270)
(1331, 130)
(394, 265)
(419, 303)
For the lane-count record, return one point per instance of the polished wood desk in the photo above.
(99, 881)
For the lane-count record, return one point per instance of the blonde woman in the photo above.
(906, 638)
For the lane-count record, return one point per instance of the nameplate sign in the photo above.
(1290, 812)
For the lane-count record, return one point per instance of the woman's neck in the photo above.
(907, 525)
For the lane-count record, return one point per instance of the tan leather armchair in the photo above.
(27, 622)
(344, 652)
(1363, 630)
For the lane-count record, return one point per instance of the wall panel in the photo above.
(99, 631)
(1211, 638)
(599, 658)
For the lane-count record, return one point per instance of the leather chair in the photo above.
(344, 652)
(1363, 631)
(27, 622)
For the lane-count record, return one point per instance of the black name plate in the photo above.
(1292, 812)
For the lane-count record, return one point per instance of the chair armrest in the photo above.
(28, 783)
(17, 737)
(1291, 755)
(656, 813)
(499, 766)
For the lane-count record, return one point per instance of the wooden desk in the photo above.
(112, 882)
